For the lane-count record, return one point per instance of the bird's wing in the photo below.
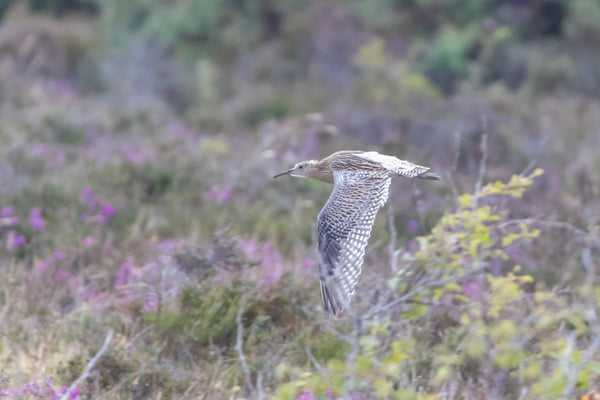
(344, 226)
(394, 164)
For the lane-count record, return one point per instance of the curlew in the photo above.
(361, 182)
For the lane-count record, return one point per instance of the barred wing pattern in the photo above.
(344, 226)
(394, 164)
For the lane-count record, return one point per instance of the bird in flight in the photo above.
(361, 182)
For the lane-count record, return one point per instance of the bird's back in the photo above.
(351, 160)
(371, 162)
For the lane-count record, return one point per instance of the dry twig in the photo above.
(90, 366)
(482, 163)
(240, 351)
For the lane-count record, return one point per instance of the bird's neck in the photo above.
(321, 173)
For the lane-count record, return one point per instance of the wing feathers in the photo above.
(397, 166)
(344, 227)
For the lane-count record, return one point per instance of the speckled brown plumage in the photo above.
(361, 185)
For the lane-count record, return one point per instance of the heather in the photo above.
(146, 251)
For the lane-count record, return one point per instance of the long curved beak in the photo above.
(289, 171)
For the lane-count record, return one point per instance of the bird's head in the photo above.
(304, 169)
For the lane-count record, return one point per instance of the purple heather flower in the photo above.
(89, 241)
(307, 264)
(86, 192)
(308, 395)
(42, 266)
(134, 154)
(13, 241)
(75, 393)
(58, 255)
(60, 158)
(330, 393)
(150, 304)
(413, 226)
(94, 200)
(40, 149)
(36, 220)
(514, 252)
(272, 264)
(107, 211)
(123, 274)
(9, 221)
(6, 211)
(60, 87)
(218, 194)
(62, 275)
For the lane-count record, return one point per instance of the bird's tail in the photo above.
(332, 302)
(429, 175)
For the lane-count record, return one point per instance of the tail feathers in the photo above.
(429, 175)
(332, 300)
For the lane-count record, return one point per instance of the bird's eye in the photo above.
(301, 166)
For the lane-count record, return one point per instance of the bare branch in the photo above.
(259, 379)
(357, 335)
(547, 224)
(90, 366)
(240, 351)
(588, 265)
(312, 358)
(421, 287)
(574, 370)
(482, 163)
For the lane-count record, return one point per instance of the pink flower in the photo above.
(62, 275)
(75, 393)
(40, 149)
(218, 194)
(13, 241)
(60, 87)
(60, 158)
(123, 274)
(58, 255)
(134, 154)
(42, 267)
(150, 304)
(36, 220)
(107, 211)
(249, 247)
(89, 241)
(307, 395)
(6, 211)
(307, 264)
(85, 193)
(9, 221)
(413, 226)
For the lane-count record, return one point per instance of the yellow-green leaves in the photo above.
(515, 187)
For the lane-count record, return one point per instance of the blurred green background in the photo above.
(138, 139)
